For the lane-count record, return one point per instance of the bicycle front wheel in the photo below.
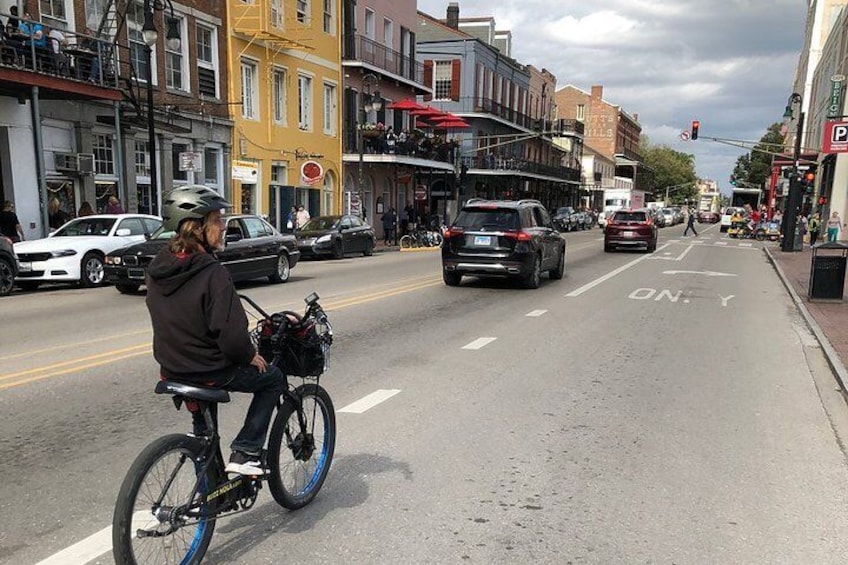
(406, 242)
(300, 447)
(155, 521)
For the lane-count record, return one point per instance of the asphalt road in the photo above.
(665, 408)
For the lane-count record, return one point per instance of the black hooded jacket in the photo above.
(199, 325)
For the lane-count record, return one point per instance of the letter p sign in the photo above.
(835, 137)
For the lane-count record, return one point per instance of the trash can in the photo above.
(827, 272)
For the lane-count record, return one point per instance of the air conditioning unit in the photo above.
(81, 163)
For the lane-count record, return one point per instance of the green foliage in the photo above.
(665, 167)
(755, 167)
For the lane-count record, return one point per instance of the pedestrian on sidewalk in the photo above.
(690, 225)
(834, 224)
(10, 226)
(815, 227)
(302, 216)
(389, 220)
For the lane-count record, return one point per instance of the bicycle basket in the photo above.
(300, 350)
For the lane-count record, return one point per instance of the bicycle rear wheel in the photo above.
(406, 242)
(299, 454)
(151, 522)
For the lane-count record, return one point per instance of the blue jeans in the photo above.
(266, 388)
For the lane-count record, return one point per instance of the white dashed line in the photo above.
(746, 245)
(479, 343)
(368, 402)
(720, 243)
(84, 551)
(682, 255)
(611, 274)
(535, 313)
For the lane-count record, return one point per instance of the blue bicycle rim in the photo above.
(198, 534)
(322, 459)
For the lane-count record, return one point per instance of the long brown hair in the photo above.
(187, 240)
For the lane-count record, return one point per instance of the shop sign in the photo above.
(835, 137)
(191, 161)
(834, 108)
(245, 171)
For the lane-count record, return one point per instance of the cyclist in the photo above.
(200, 330)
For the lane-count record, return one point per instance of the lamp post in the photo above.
(675, 186)
(151, 36)
(793, 202)
(368, 102)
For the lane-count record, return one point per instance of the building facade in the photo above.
(284, 60)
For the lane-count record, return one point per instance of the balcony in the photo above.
(414, 151)
(81, 68)
(378, 57)
(559, 128)
(489, 106)
(512, 165)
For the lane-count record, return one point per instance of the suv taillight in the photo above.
(518, 235)
(453, 232)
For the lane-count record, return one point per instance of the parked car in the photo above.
(707, 217)
(494, 238)
(77, 250)
(669, 215)
(657, 216)
(8, 266)
(678, 214)
(630, 228)
(583, 220)
(254, 250)
(565, 219)
(335, 236)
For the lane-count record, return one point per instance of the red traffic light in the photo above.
(810, 177)
(696, 124)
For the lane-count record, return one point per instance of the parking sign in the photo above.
(835, 138)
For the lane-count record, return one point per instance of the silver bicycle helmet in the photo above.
(190, 202)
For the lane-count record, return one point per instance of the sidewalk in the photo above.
(828, 320)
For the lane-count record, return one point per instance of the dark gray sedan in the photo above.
(335, 236)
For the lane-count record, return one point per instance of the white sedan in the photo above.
(75, 252)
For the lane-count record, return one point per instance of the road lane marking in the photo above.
(720, 243)
(479, 343)
(368, 402)
(94, 545)
(611, 274)
(746, 245)
(535, 313)
(75, 344)
(75, 369)
(682, 255)
(75, 361)
(707, 273)
(724, 300)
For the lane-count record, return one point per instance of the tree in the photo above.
(665, 167)
(755, 167)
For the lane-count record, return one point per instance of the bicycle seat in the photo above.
(193, 392)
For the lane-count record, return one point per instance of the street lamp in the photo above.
(793, 203)
(369, 102)
(151, 35)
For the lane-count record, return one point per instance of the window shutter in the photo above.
(456, 75)
(428, 78)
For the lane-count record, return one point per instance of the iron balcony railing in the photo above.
(79, 57)
(493, 162)
(360, 48)
(429, 148)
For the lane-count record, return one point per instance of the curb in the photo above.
(830, 354)
(417, 249)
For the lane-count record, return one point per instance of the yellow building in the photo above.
(285, 94)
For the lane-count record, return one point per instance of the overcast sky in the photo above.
(728, 63)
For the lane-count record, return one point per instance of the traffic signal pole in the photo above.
(793, 203)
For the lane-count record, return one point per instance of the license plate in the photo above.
(135, 273)
(482, 240)
(25, 267)
(627, 234)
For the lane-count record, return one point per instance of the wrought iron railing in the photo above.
(429, 148)
(492, 162)
(360, 48)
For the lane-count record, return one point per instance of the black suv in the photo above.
(496, 238)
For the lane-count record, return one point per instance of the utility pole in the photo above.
(793, 203)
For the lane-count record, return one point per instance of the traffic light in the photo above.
(822, 200)
(809, 181)
(695, 125)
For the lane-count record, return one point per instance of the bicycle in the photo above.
(176, 489)
(421, 238)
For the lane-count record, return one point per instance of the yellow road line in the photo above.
(75, 369)
(130, 351)
(74, 344)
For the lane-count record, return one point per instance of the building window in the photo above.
(175, 75)
(207, 61)
(138, 55)
(302, 10)
(330, 17)
(581, 112)
(176, 149)
(388, 33)
(104, 162)
(249, 91)
(370, 25)
(304, 102)
(330, 109)
(94, 11)
(211, 158)
(280, 96)
(53, 9)
(279, 174)
(277, 13)
(142, 159)
(442, 76)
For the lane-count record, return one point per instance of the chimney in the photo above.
(636, 118)
(453, 15)
(598, 91)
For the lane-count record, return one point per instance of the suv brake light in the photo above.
(452, 232)
(518, 235)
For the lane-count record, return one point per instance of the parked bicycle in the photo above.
(177, 488)
(421, 238)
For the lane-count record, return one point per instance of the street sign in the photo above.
(684, 135)
(421, 192)
(191, 161)
(834, 108)
(835, 137)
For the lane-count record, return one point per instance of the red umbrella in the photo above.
(451, 123)
(428, 113)
(405, 104)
